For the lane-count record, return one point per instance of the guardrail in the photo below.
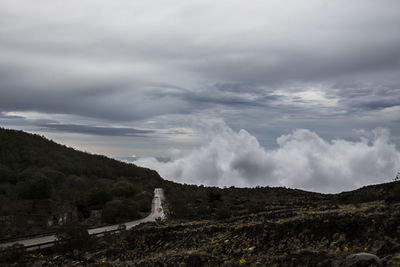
(21, 237)
(15, 238)
(52, 243)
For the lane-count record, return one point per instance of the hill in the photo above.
(44, 184)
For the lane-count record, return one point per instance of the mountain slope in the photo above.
(42, 183)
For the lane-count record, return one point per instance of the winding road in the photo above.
(157, 211)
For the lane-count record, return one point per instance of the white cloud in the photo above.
(302, 160)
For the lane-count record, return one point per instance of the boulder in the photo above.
(362, 259)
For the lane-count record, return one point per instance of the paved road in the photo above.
(157, 211)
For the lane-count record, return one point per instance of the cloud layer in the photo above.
(118, 68)
(302, 160)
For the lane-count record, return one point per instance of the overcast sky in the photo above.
(154, 79)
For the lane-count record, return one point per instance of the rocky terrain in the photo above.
(285, 235)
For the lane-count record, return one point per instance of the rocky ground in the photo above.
(283, 236)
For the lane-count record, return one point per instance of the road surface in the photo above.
(157, 211)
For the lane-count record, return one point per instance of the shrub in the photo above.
(73, 236)
(35, 188)
(12, 253)
(396, 193)
(119, 210)
(256, 207)
(124, 189)
(214, 196)
(179, 208)
(144, 205)
(223, 212)
(98, 197)
(364, 196)
(6, 174)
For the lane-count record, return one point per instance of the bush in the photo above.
(179, 208)
(98, 197)
(7, 175)
(256, 207)
(119, 210)
(214, 196)
(364, 196)
(124, 189)
(35, 188)
(12, 253)
(144, 205)
(73, 236)
(223, 212)
(396, 193)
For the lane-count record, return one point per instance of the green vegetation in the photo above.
(120, 210)
(36, 174)
(12, 254)
(38, 187)
(192, 202)
(73, 236)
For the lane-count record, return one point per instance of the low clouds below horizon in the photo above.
(302, 160)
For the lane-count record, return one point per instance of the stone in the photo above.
(362, 259)
(76, 254)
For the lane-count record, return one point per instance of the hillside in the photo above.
(44, 184)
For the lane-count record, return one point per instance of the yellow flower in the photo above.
(346, 249)
(242, 261)
(373, 221)
(365, 249)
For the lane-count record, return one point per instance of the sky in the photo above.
(303, 94)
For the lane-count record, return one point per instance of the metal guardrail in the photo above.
(21, 237)
(15, 238)
(52, 243)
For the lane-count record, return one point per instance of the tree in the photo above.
(179, 208)
(119, 210)
(6, 174)
(124, 189)
(35, 188)
(98, 197)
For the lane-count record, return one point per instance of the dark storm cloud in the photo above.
(106, 67)
(269, 67)
(387, 103)
(360, 98)
(104, 100)
(95, 130)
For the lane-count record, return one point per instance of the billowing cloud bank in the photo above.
(302, 160)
